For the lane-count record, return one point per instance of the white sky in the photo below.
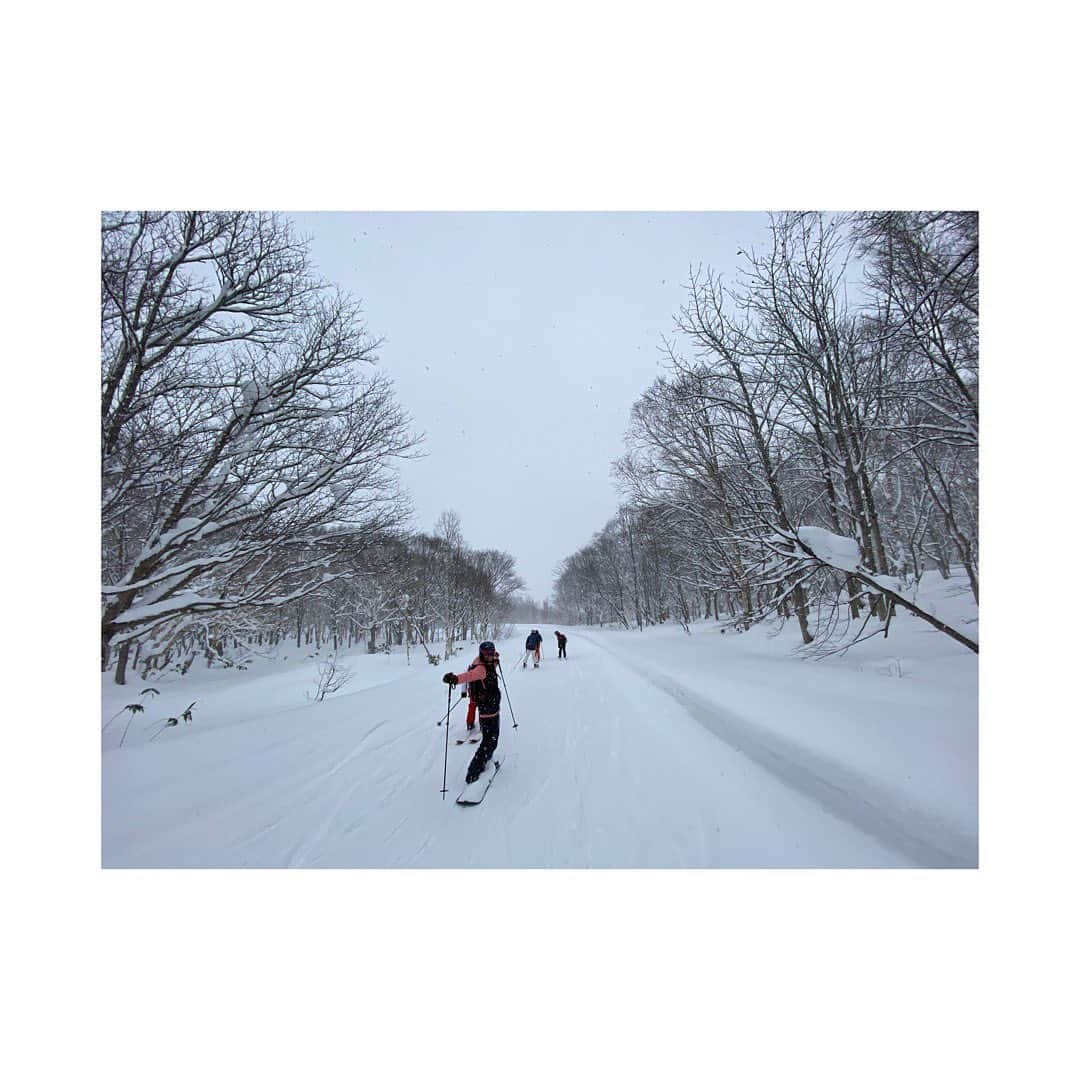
(518, 342)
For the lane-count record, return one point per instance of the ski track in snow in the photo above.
(614, 764)
(883, 814)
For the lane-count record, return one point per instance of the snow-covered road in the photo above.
(631, 753)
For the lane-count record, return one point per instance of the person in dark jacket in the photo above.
(483, 679)
(561, 639)
(532, 645)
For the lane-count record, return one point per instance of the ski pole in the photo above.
(442, 718)
(506, 690)
(446, 753)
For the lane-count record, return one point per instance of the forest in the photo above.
(248, 493)
(809, 451)
(830, 393)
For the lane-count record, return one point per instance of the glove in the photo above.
(450, 679)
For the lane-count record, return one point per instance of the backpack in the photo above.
(485, 692)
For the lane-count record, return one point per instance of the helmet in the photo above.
(487, 646)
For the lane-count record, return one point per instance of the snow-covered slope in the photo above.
(641, 750)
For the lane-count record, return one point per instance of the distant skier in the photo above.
(483, 677)
(532, 645)
(561, 639)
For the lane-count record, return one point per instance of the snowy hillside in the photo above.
(652, 749)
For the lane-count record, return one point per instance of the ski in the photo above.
(473, 794)
(461, 741)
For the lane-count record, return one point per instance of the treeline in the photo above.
(414, 590)
(526, 610)
(247, 450)
(830, 391)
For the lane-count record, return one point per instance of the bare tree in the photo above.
(237, 426)
(816, 391)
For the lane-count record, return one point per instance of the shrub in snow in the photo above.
(330, 679)
(134, 708)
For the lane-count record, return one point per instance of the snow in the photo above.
(139, 612)
(839, 551)
(653, 749)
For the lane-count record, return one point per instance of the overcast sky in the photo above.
(518, 342)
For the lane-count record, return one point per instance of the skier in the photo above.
(561, 639)
(532, 645)
(483, 677)
(470, 719)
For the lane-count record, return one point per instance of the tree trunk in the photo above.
(915, 610)
(121, 664)
(800, 611)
